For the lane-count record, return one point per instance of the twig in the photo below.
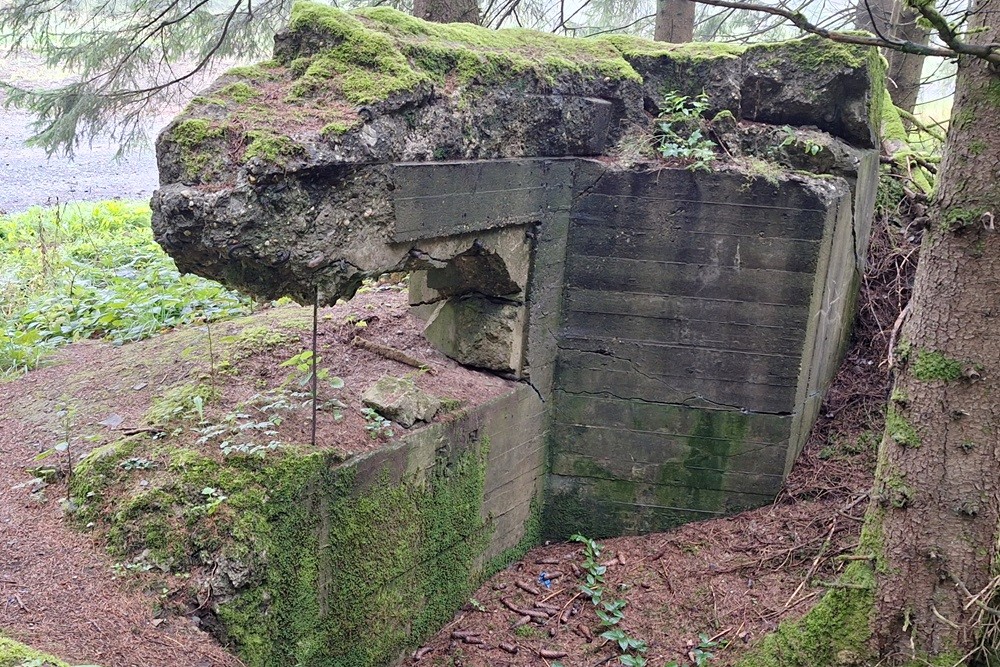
(906, 115)
(890, 358)
(552, 595)
(392, 354)
(815, 564)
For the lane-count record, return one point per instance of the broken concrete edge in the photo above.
(337, 76)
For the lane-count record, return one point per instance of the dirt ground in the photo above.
(58, 589)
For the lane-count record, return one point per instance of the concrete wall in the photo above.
(364, 559)
(703, 317)
(680, 328)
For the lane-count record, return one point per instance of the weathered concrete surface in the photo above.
(703, 317)
(278, 179)
(677, 329)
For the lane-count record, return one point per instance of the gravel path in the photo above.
(29, 178)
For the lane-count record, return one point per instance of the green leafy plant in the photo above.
(681, 131)
(213, 498)
(701, 654)
(377, 425)
(808, 145)
(611, 612)
(70, 273)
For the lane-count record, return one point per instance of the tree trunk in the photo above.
(447, 11)
(906, 69)
(937, 493)
(874, 16)
(674, 21)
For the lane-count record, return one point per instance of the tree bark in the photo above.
(906, 69)
(937, 494)
(874, 16)
(674, 21)
(447, 11)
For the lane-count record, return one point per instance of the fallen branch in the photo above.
(392, 354)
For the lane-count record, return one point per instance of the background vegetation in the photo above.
(92, 271)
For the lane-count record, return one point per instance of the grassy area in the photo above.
(92, 271)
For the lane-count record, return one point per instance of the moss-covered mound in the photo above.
(313, 562)
(336, 73)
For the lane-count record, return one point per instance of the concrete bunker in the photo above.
(674, 329)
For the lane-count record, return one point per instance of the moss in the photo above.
(314, 606)
(518, 50)
(698, 483)
(15, 654)
(239, 92)
(839, 623)
(754, 168)
(993, 92)
(380, 51)
(899, 429)
(269, 70)
(335, 129)
(194, 132)
(282, 526)
(634, 47)
(837, 626)
(198, 141)
(897, 492)
(892, 129)
(271, 147)
(930, 365)
(816, 53)
(957, 218)
(255, 340)
(900, 397)
(889, 196)
(892, 124)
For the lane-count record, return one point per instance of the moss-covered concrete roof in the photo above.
(334, 71)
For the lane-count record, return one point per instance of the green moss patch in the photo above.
(271, 147)
(328, 563)
(930, 365)
(200, 143)
(15, 654)
(899, 429)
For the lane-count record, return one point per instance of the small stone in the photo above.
(113, 420)
(400, 400)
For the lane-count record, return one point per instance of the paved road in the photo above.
(28, 177)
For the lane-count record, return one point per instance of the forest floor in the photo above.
(709, 587)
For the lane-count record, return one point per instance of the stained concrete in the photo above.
(676, 328)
